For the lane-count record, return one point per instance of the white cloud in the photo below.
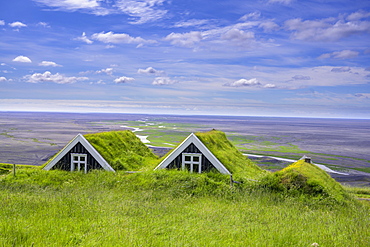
(341, 69)
(85, 6)
(184, 39)
(49, 63)
(150, 70)
(71, 4)
(301, 77)
(345, 54)
(144, 10)
(2, 23)
(17, 24)
(43, 24)
(329, 98)
(224, 38)
(49, 77)
(325, 56)
(281, 1)
(237, 36)
(140, 11)
(2, 78)
(108, 71)
(191, 23)
(363, 95)
(83, 38)
(124, 79)
(269, 85)
(330, 29)
(22, 59)
(358, 15)
(99, 82)
(119, 38)
(254, 16)
(163, 81)
(269, 26)
(245, 83)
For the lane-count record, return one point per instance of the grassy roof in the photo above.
(302, 177)
(123, 150)
(237, 163)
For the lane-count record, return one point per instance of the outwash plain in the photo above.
(341, 144)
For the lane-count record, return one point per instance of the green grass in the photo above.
(7, 168)
(359, 192)
(166, 208)
(362, 169)
(161, 134)
(263, 144)
(163, 138)
(238, 164)
(123, 150)
(7, 135)
(305, 178)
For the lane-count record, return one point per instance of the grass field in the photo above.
(167, 208)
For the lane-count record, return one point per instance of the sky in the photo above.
(300, 58)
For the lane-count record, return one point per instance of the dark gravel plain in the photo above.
(32, 138)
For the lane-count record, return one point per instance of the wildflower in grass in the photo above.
(315, 244)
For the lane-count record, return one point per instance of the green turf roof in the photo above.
(238, 164)
(123, 150)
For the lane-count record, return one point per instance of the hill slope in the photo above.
(165, 208)
(239, 165)
(302, 177)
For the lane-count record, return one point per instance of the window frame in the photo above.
(192, 162)
(78, 162)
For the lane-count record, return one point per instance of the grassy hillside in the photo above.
(6, 168)
(305, 178)
(166, 208)
(123, 150)
(238, 164)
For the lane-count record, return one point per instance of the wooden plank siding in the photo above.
(177, 162)
(65, 162)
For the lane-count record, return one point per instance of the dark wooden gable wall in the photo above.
(176, 163)
(65, 162)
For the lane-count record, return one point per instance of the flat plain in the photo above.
(342, 144)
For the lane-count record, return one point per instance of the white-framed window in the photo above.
(79, 162)
(192, 162)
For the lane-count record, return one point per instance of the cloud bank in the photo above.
(47, 76)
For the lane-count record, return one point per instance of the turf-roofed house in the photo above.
(78, 155)
(207, 151)
(111, 151)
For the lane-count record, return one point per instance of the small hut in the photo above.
(78, 155)
(194, 156)
(207, 151)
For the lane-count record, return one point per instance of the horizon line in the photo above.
(182, 114)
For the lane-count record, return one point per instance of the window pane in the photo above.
(196, 159)
(75, 158)
(187, 158)
(195, 168)
(82, 158)
(187, 167)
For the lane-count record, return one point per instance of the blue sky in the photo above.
(236, 57)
